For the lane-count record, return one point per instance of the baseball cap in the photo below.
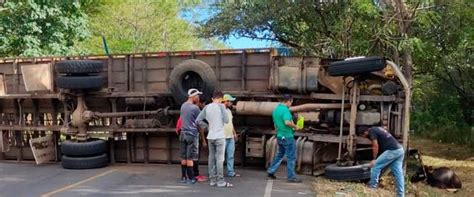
(287, 97)
(193, 92)
(228, 97)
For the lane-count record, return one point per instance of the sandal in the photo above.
(227, 184)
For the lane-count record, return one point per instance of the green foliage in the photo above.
(438, 114)
(143, 26)
(437, 36)
(341, 29)
(444, 89)
(38, 28)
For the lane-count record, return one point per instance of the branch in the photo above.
(284, 41)
(449, 82)
(412, 16)
(424, 82)
(325, 25)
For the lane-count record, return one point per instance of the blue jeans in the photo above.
(216, 161)
(286, 146)
(229, 156)
(393, 159)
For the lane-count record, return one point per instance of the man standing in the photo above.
(285, 127)
(216, 116)
(392, 155)
(189, 132)
(230, 137)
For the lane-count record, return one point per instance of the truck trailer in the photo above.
(122, 108)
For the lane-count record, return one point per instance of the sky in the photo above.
(203, 12)
(238, 43)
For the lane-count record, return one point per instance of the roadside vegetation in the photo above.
(53, 28)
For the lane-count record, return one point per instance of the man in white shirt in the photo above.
(230, 137)
(216, 116)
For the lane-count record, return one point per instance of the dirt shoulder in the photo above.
(455, 156)
(436, 154)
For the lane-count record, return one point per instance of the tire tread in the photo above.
(84, 162)
(75, 67)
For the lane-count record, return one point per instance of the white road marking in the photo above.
(268, 188)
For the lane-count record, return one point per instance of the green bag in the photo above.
(300, 122)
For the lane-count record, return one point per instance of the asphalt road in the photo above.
(20, 179)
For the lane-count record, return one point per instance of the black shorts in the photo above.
(188, 145)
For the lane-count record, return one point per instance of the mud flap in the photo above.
(4, 144)
(43, 149)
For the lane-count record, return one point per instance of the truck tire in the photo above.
(189, 74)
(79, 67)
(356, 66)
(84, 162)
(83, 149)
(80, 82)
(347, 173)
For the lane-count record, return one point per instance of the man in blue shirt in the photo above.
(189, 136)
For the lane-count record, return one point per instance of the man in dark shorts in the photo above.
(392, 155)
(189, 132)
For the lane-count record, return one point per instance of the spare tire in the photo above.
(189, 74)
(80, 82)
(83, 149)
(356, 66)
(347, 173)
(84, 162)
(79, 67)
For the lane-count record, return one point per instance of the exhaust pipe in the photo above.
(266, 108)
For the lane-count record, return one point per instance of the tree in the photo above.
(431, 40)
(446, 53)
(143, 26)
(323, 28)
(39, 28)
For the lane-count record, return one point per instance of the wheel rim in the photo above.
(190, 80)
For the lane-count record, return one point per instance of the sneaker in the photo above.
(371, 186)
(233, 175)
(295, 180)
(183, 180)
(271, 176)
(212, 183)
(190, 181)
(201, 178)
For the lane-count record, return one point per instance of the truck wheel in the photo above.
(80, 82)
(79, 67)
(84, 162)
(347, 173)
(83, 149)
(192, 74)
(356, 66)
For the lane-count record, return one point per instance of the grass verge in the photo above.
(457, 157)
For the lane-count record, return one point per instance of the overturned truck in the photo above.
(105, 109)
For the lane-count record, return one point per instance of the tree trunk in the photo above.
(467, 111)
(408, 66)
